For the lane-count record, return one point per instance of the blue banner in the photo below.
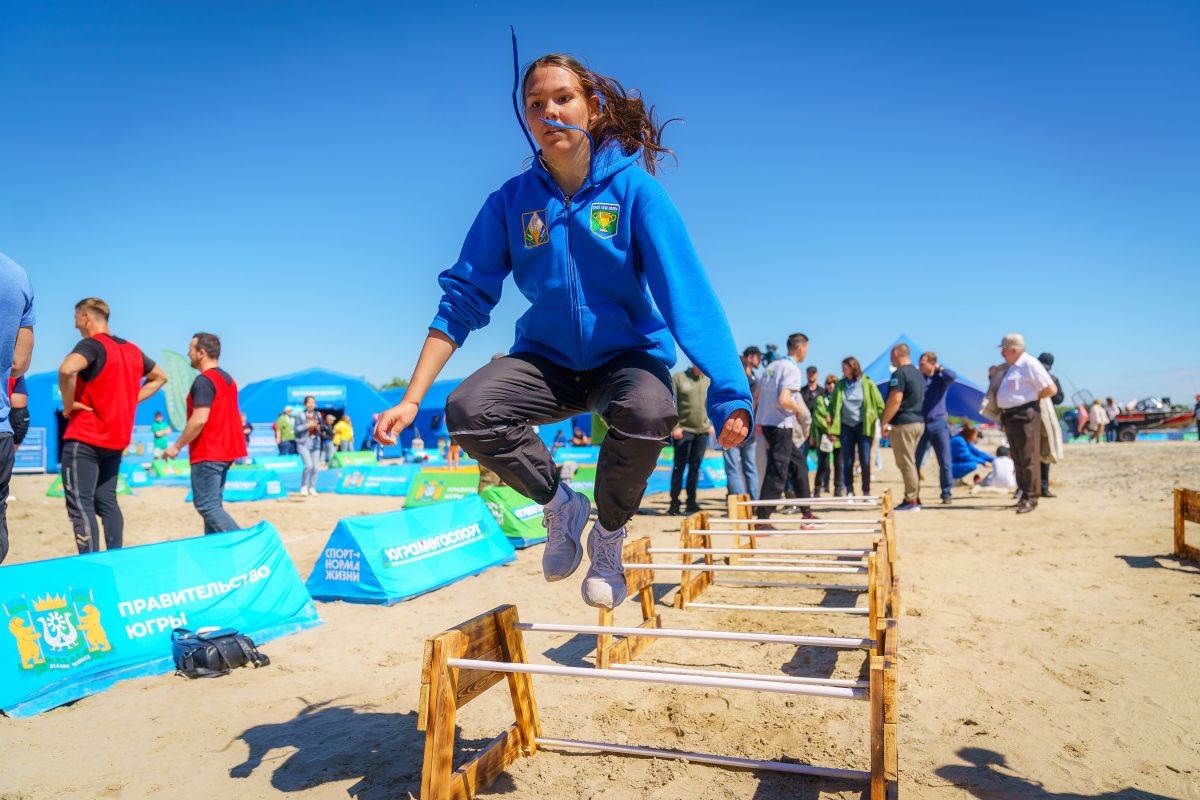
(141, 446)
(660, 480)
(386, 558)
(262, 440)
(279, 463)
(31, 455)
(580, 455)
(333, 396)
(712, 474)
(245, 485)
(391, 480)
(135, 475)
(425, 456)
(78, 625)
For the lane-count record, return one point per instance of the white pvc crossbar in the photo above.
(740, 568)
(836, 692)
(787, 532)
(783, 584)
(742, 551)
(815, 501)
(759, 560)
(685, 633)
(796, 609)
(705, 758)
(727, 520)
(849, 684)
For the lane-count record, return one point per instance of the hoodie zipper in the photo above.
(573, 281)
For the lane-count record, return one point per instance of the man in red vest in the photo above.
(213, 433)
(101, 383)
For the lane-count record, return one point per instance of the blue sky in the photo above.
(294, 175)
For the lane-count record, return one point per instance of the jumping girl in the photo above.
(600, 252)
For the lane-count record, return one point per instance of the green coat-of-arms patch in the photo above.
(605, 217)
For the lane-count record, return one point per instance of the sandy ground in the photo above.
(1046, 656)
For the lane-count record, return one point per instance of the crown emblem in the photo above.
(49, 603)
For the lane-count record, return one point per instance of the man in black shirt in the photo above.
(811, 390)
(902, 415)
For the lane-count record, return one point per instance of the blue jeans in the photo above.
(937, 436)
(311, 456)
(741, 468)
(208, 491)
(854, 442)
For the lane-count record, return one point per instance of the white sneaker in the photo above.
(312, 490)
(303, 491)
(564, 529)
(604, 584)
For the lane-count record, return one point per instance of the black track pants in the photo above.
(491, 412)
(90, 483)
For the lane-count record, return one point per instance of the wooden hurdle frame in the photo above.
(639, 580)
(696, 538)
(637, 557)
(463, 662)
(1187, 509)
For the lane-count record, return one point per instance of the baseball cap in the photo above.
(1014, 340)
(811, 370)
(752, 350)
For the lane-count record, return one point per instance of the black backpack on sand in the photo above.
(213, 653)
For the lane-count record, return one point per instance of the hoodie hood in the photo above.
(611, 159)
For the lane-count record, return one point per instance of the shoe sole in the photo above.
(602, 605)
(587, 504)
(588, 602)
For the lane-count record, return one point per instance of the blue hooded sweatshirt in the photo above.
(606, 271)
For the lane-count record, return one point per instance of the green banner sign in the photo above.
(180, 375)
(56, 488)
(354, 458)
(175, 467)
(436, 487)
(584, 482)
(520, 518)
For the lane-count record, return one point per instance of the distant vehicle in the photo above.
(1152, 414)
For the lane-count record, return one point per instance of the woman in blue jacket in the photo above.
(600, 252)
(965, 457)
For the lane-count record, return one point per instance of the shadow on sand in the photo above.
(983, 777)
(337, 743)
(1169, 562)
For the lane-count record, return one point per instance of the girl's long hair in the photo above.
(623, 115)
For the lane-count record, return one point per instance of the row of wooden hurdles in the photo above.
(464, 661)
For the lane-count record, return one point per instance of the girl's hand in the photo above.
(394, 420)
(735, 430)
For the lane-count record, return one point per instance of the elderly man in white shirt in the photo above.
(1018, 394)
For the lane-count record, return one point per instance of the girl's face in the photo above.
(846, 371)
(554, 93)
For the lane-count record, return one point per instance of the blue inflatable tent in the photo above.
(262, 401)
(963, 399)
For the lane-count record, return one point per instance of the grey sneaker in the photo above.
(564, 529)
(604, 584)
